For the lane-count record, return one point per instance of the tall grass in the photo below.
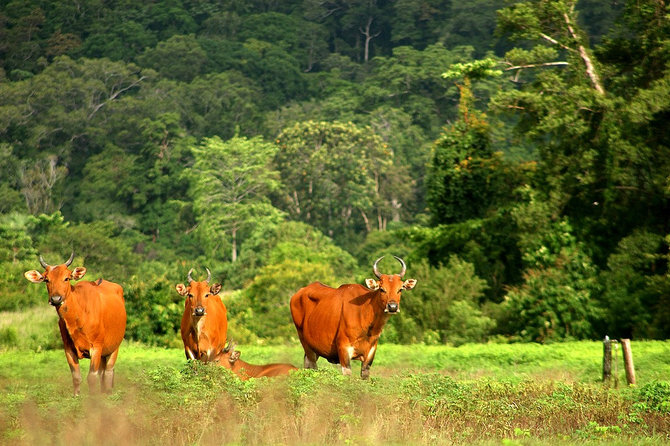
(481, 394)
(35, 329)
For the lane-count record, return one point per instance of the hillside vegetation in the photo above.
(515, 157)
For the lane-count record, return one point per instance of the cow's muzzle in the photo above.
(56, 300)
(392, 307)
(199, 311)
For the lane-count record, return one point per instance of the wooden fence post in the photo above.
(607, 360)
(628, 361)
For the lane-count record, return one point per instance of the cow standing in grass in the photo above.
(230, 359)
(345, 323)
(204, 324)
(91, 318)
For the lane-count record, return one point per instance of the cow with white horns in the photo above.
(204, 324)
(345, 323)
(91, 318)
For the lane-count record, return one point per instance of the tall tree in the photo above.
(231, 181)
(332, 174)
(466, 177)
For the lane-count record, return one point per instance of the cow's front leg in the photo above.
(345, 354)
(189, 353)
(367, 362)
(94, 377)
(73, 362)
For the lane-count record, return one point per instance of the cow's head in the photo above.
(229, 355)
(390, 286)
(57, 278)
(198, 293)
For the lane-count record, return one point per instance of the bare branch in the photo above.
(590, 68)
(535, 65)
(556, 42)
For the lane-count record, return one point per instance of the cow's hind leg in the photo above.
(108, 371)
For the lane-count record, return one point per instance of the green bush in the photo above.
(557, 299)
(654, 396)
(635, 289)
(263, 307)
(154, 312)
(446, 301)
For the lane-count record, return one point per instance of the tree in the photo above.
(466, 178)
(631, 287)
(231, 181)
(10, 183)
(331, 173)
(39, 185)
(603, 155)
(558, 297)
(221, 104)
(179, 57)
(555, 23)
(274, 243)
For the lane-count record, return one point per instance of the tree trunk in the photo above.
(368, 38)
(590, 68)
(234, 245)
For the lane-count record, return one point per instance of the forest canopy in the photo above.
(515, 155)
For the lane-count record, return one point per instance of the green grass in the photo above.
(484, 394)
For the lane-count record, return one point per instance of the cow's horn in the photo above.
(230, 347)
(69, 261)
(43, 263)
(374, 268)
(188, 276)
(404, 267)
(209, 275)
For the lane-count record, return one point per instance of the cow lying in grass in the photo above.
(230, 359)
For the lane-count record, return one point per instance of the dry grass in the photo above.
(160, 399)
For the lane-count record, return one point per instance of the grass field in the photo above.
(483, 394)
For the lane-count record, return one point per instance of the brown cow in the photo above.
(92, 320)
(230, 359)
(204, 325)
(345, 323)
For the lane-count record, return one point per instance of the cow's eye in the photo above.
(207, 295)
(190, 295)
(382, 290)
(46, 280)
(66, 279)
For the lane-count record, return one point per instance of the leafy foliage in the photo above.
(257, 137)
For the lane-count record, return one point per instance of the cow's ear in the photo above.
(34, 276)
(181, 289)
(408, 284)
(234, 356)
(372, 284)
(215, 288)
(78, 273)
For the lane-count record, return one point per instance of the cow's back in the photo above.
(317, 314)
